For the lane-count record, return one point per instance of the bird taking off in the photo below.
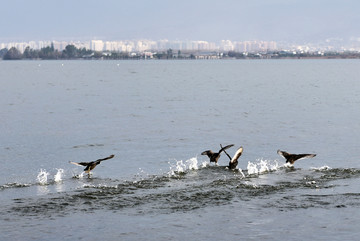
(91, 165)
(294, 157)
(214, 156)
(234, 160)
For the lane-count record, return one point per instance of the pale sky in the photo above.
(211, 20)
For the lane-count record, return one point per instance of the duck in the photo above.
(234, 160)
(214, 156)
(89, 166)
(291, 158)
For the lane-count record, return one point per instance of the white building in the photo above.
(226, 45)
(97, 45)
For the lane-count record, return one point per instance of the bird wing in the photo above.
(79, 163)
(106, 158)
(283, 154)
(303, 156)
(225, 147)
(225, 151)
(237, 155)
(294, 157)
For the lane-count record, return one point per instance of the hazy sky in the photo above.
(212, 20)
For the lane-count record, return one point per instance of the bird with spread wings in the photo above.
(234, 160)
(91, 165)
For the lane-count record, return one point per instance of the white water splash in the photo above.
(42, 177)
(58, 175)
(262, 166)
(81, 175)
(204, 164)
(181, 166)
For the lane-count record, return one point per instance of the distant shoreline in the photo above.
(73, 53)
(184, 59)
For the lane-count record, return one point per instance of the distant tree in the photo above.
(3, 52)
(34, 54)
(169, 54)
(70, 52)
(27, 53)
(13, 54)
(48, 53)
(82, 52)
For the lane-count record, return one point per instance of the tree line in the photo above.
(72, 52)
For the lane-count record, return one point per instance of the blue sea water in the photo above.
(157, 117)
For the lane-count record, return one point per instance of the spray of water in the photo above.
(183, 166)
(42, 177)
(262, 166)
(58, 176)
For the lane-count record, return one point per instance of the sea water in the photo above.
(157, 117)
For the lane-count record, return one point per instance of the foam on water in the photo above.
(42, 177)
(323, 168)
(14, 185)
(79, 176)
(262, 166)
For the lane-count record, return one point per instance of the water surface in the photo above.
(157, 117)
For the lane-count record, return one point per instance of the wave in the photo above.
(180, 169)
(14, 185)
(194, 184)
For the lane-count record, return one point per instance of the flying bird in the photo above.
(294, 157)
(234, 160)
(91, 165)
(214, 156)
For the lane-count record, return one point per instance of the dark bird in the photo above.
(294, 157)
(214, 156)
(234, 160)
(91, 165)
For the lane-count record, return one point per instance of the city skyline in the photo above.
(146, 45)
(187, 45)
(291, 21)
